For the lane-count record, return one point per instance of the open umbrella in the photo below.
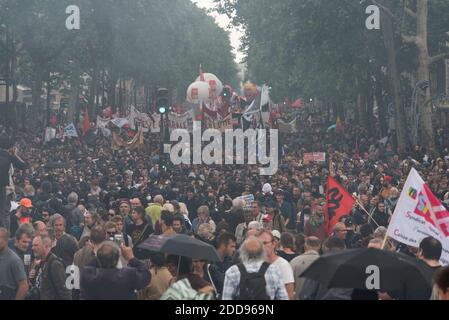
(370, 269)
(181, 245)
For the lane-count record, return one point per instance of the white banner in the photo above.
(419, 214)
(70, 131)
(220, 124)
(181, 121)
(120, 122)
(50, 134)
(102, 122)
(287, 127)
(142, 120)
(249, 199)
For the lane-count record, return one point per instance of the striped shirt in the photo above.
(274, 285)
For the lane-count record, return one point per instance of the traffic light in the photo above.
(162, 101)
(227, 93)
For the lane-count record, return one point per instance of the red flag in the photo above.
(201, 74)
(296, 104)
(54, 120)
(338, 203)
(436, 213)
(86, 122)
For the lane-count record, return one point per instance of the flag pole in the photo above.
(363, 208)
(384, 241)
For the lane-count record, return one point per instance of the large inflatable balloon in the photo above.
(216, 86)
(198, 91)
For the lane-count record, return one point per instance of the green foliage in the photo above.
(153, 42)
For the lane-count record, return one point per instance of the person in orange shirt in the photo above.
(24, 212)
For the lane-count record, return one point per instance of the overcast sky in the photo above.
(223, 21)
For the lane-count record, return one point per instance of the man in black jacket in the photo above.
(102, 280)
(51, 276)
(8, 156)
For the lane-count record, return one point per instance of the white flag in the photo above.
(102, 122)
(120, 122)
(419, 214)
(70, 131)
(50, 134)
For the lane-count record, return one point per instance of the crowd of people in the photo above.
(71, 204)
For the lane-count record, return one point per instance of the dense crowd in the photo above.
(72, 203)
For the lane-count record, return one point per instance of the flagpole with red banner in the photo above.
(338, 203)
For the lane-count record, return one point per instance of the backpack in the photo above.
(252, 285)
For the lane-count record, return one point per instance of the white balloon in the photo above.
(198, 91)
(215, 84)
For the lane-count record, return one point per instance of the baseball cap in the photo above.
(25, 202)
(276, 234)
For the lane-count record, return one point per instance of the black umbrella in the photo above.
(181, 245)
(358, 269)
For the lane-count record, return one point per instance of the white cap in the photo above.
(266, 188)
(276, 234)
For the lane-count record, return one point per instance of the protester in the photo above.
(441, 279)
(167, 223)
(102, 280)
(272, 258)
(13, 279)
(226, 246)
(160, 279)
(154, 210)
(287, 244)
(312, 290)
(299, 264)
(269, 284)
(88, 252)
(139, 230)
(8, 156)
(179, 224)
(50, 277)
(118, 220)
(315, 225)
(188, 285)
(203, 217)
(242, 228)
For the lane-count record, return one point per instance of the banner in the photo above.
(181, 121)
(419, 214)
(285, 127)
(249, 199)
(314, 157)
(50, 134)
(118, 142)
(70, 131)
(120, 122)
(102, 122)
(220, 124)
(140, 120)
(338, 203)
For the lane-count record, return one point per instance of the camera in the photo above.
(118, 239)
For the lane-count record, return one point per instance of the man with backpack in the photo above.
(253, 278)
